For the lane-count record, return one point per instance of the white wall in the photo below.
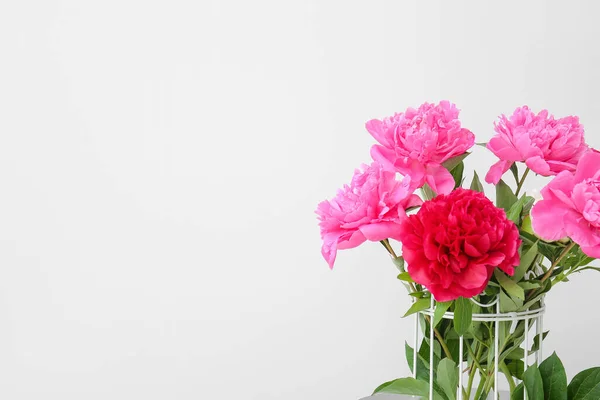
(160, 163)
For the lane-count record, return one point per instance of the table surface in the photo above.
(384, 396)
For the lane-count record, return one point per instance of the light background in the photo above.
(160, 163)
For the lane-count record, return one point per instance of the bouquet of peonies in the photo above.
(458, 245)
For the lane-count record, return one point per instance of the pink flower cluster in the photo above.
(370, 208)
(571, 206)
(417, 142)
(545, 144)
(456, 240)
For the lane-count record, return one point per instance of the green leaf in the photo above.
(585, 385)
(463, 315)
(404, 276)
(509, 304)
(528, 206)
(576, 258)
(419, 305)
(588, 267)
(550, 250)
(526, 225)
(437, 350)
(440, 309)
(516, 354)
(517, 394)
(382, 386)
(476, 183)
(536, 342)
(554, 378)
(482, 144)
(447, 377)
(457, 174)
(527, 259)
(533, 383)
(529, 285)
(453, 162)
(409, 386)
(454, 347)
(418, 295)
(505, 197)
(422, 364)
(538, 295)
(509, 285)
(514, 213)
(399, 263)
(515, 171)
(516, 368)
(427, 192)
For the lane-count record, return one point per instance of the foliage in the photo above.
(548, 381)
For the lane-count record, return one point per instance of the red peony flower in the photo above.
(455, 241)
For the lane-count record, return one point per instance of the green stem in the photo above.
(473, 371)
(548, 273)
(390, 250)
(479, 390)
(558, 260)
(522, 181)
(509, 377)
(475, 357)
(439, 338)
(388, 247)
(490, 380)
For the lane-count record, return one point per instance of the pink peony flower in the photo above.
(547, 145)
(417, 142)
(454, 243)
(571, 206)
(371, 208)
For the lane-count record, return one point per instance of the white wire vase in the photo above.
(530, 320)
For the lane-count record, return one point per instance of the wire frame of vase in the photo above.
(531, 317)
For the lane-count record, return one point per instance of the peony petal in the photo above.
(351, 240)
(563, 182)
(483, 243)
(383, 156)
(472, 250)
(440, 294)
(496, 258)
(440, 180)
(412, 201)
(560, 166)
(377, 129)
(547, 219)
(591, 251)
(496, 171)
(380, 231)
(329, 248)
(578, 229)
(588, 167)
(430, 247)
(418, 267)
(509, 269)
(539, 165)
(503, 149)
(474, 276)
